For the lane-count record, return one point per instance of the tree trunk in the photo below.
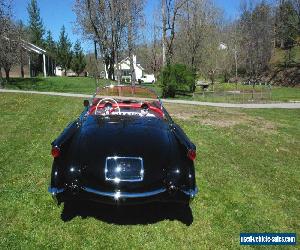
(111, 75)
(22, 70)
(21, 63)
(118, 68)
(164, 29)
(1, 78)
(282, 44)
(106, 62)
(7, 74)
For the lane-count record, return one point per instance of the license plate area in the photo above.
(128, 169)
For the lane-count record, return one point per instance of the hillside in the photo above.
(281, 73)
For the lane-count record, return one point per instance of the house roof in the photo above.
(33, 48)
(30, 47)
(126, 61)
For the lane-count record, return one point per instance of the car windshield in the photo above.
(126, 100)
(126, 92)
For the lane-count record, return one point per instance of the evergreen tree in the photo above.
(50, 44)
(36, 27)
(78, 61)
(36, 33)
(50, 47)
(286, 24)
(64, 52)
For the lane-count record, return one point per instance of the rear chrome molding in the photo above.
(192, 192)
(118, 194)
(55, 191)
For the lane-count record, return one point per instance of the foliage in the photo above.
(114, 25)
(176, 77)
(256, 30)
(11, 34)
(36, 26)
(78, 62)
(36, 33)
(64, 52)
(50, 45)
(286, 24)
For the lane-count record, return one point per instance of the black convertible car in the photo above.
(123, 149)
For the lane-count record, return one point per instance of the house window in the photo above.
(126, 72)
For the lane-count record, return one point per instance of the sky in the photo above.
(56, 13)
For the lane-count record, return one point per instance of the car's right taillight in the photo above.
(55, 152)
(191, 154)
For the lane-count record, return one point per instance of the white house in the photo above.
(61, 72)
(223, 46)
(124, 66)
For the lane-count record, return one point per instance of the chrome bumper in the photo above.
(123, 195)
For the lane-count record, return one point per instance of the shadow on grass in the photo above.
(128, 215)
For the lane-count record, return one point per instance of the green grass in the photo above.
(221, 92)
(261, 94)
(85, 85)
(248, 173)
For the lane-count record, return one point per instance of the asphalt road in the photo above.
(213, 104)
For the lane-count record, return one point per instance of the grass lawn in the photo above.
(85, 85)
(225, 92)
(248, 174)
(222, 92)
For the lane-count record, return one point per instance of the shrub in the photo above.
(176, 77)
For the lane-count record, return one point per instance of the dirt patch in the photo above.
(219, 117)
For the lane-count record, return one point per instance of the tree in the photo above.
(198, 37)
(103, 22)
(35, 23)
(256, 30)
(175, 77)
(286, 24)
(64, 52)
(51, 48)
(10, 40)
(36, 33)
(21, 34)
(296, 5)
(134, 10)
(5, 17)
(78, 60)
(171, 11)
(50, 44)
(149, 52)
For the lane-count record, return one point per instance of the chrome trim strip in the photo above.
(55, 191)
(119, 194)
(192, 192)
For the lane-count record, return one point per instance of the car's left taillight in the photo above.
(55, 152)
(191, 154)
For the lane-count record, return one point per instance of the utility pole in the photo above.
(164, 28)
(236, 63)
